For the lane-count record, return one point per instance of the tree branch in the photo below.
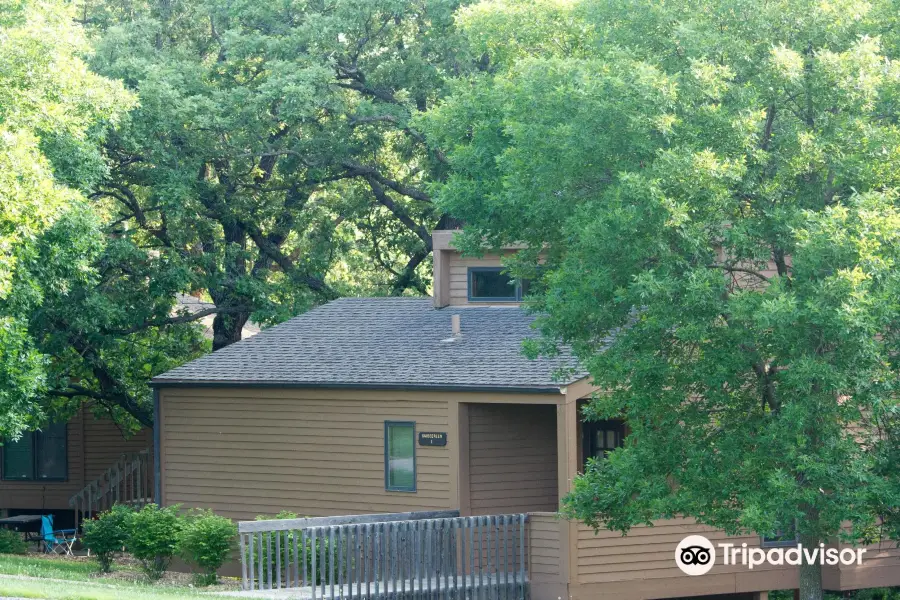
(357, 121)
(180, 319)
(405, 278)
(732, 269)
(370, 173)
(767, 132)
(281, 259)
(398, 212)
(380, 94)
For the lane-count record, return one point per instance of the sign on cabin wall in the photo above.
(432, 438)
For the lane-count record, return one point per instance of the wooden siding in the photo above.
(512, 458)
(104, 444)
(249, 451)
(91, 446)
(642, 564)
(544, 547)
(880, 568)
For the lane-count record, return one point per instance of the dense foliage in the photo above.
(11, 542)
(714, 187)
(271, 156)
(53, 113)
(268, 164)
(711, 188)
(153, 537)
(107, 535)
(207, 541)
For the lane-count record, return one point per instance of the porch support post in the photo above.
(157, 450)
(567, 467)
(461, 418)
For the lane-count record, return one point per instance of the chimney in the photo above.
(454, 325)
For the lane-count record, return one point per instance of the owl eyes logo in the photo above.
(695, 555)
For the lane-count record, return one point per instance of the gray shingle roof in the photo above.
(384, 342)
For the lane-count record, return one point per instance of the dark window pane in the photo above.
(783, 537)
(401, 463)
(492, 283)
(51, 452)
(18, 458)
(602, 437)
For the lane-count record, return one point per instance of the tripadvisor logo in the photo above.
(696, 555)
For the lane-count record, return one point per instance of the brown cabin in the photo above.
(323, 415)
(80, 467)
(389, 405)
(65, 469)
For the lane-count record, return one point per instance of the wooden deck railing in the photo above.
(398, 556)
(128, 481)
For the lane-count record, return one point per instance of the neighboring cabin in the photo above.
(321, 416)
(41, 472)
(44, 471)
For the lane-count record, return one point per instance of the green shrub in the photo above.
(253, 553)
(864, 594)
(153, 538)
(206, 541)
(11, 542)
(108, 533)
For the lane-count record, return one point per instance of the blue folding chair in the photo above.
(56, 541)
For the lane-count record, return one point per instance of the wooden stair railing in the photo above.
(128, 481)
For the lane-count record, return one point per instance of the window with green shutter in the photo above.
(400, 456)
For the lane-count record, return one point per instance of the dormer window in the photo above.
(493, 284)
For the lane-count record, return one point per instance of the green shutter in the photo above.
(18, 458)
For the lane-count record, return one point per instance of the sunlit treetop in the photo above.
(714, 188)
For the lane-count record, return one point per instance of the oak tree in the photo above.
(714, 189)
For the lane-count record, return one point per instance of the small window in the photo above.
(50, 452)
(602, 437)
(782, 538)
(18, 458)
(400, 456)
(37, 456)
(493, 284)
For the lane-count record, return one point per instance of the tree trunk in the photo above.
(227, 329)
(810, 575)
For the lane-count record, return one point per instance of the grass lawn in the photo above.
(51, 568)
(82, 582)
(84, 590)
